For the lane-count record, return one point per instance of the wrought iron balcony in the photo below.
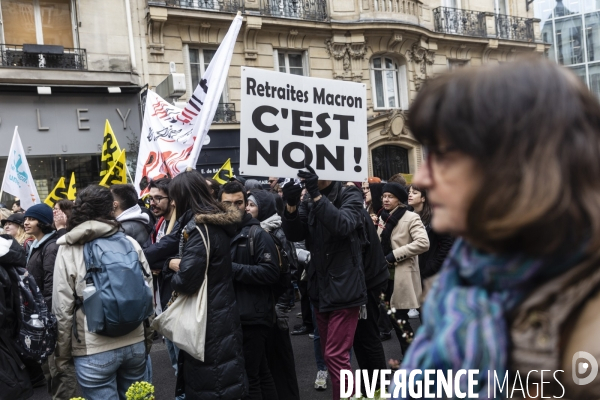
(514, 28)
(310, 10)
(227, 6)
(459, 22)
(42, 56)
(225, 113)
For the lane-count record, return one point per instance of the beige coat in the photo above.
(69, 271)
(409, 239)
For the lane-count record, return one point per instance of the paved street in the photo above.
(164, 378)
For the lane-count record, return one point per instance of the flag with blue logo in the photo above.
(18, 180)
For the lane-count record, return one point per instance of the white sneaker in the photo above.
(412, 313)
(321, 381)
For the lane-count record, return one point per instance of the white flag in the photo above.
(18, 180)
(172, 138)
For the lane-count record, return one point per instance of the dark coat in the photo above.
(158, 256)
(334, 235)
(139, 231)
(222, 374)
(254, 275)
(15, 383)
(431, 261)
(376, 266)
(41, 266)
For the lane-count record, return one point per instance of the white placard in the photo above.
(289, 121)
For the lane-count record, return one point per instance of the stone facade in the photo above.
(339, 39)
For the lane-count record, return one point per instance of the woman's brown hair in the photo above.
(534, 130)
(426, 212)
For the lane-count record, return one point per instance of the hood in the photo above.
(86, 232)
(228, 219)
(134, 214)
(266, 204)
(271, 223)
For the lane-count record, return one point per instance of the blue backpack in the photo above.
(123, 299)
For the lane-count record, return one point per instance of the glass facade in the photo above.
(572, 27)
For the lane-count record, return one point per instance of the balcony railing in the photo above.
(473, 23)
(227, 6)
(514, 28)
(225, 113)
(311, 10)
(459, 22)
(40, 56)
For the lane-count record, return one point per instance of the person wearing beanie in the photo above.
(280, 354)
(403, 237)
(40, 265)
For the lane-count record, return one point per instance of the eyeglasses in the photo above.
(157, 199)
(272, 180)
(366, 189)
(237, 203)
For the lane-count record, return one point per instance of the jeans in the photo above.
(260, 380)
(108, 375)
(148, 372)
(337, 330)
(173, 353)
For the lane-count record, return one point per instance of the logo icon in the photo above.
(580, 367)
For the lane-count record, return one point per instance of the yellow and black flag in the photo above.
(72, 192)
(110, 150)
(118, 172)
(58, 193)
(225, 172)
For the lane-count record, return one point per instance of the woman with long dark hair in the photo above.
(512, 168)
(221, 375)
(431, 261)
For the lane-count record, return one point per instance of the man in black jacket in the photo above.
(331, 223)
(134, 222)
(255, 271)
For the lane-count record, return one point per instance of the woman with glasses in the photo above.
(403, 238)
(513, 169)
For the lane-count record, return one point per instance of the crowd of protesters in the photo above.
(515, 182)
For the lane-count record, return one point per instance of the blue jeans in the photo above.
(109, 374)
(148, 372)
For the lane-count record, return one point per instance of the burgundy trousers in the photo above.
(336, 329)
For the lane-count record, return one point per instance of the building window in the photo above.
(290, 62)
(454, 64)
(199, 61)
(389, 83)
(389, 160)
(46, 22)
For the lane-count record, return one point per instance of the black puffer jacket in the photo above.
(254, 275)
(333, 230)
(222, 375)
(14, 381)
(431, 261)
(41, 266)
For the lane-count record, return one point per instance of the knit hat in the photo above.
(397, 190)
(41, 212)
(18, 219)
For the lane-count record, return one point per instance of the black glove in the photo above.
(292, 191)
(390, 258)
(311, 180)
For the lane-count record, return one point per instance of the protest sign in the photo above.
(289, 121)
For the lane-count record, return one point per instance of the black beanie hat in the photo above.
(397, 190)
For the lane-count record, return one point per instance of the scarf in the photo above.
(390, 220)
(464, 325)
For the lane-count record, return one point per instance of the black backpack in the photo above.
(32, 342)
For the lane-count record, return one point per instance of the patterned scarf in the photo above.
(464, 324)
